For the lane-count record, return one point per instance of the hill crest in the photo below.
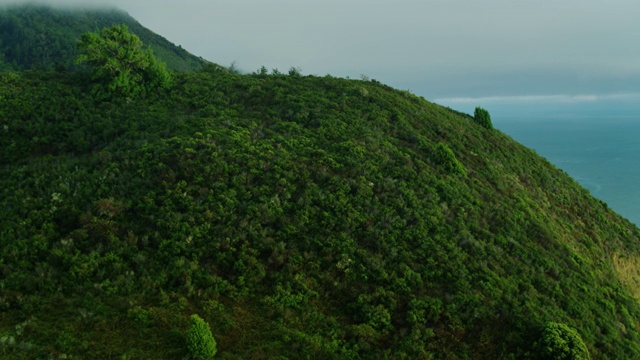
(44, 36)
(300, 217)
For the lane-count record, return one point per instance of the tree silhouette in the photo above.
(482, 117)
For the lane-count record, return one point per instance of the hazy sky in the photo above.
(436, 48)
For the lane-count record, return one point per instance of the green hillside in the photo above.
(299, 217)
(39, 36)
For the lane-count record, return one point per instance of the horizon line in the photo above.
(555, 98)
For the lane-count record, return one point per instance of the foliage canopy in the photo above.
(314, 216)
(200, 341)
(561, 342)
(119, 60)
(482, 117)
(301, 216)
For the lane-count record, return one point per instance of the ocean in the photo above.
(604, 157)
(597, 143)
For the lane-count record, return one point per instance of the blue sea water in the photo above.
(598, 144)
(603, 156)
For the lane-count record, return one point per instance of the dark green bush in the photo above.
(446, 158)
(561, 342)
(482, 117)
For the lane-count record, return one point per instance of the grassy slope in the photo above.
(297, 215)
(41, 36)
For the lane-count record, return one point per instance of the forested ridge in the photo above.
(295, 217)
(43, 37)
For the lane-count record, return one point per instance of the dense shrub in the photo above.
(200, 341)
(314, 221)
(447, 159)
(561, 342)
(482, 117)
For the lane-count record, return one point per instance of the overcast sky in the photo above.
(439, 49)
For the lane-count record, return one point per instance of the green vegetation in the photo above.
(120, 62)
(200, 341)
(299, 216)
(482, 117)
(41, 37)
(560, 342)
(445, 157)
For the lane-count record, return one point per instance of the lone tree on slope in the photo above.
(482, 117)
(120, 62)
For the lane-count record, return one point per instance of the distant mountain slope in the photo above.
(41, 36)
(301, 217)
